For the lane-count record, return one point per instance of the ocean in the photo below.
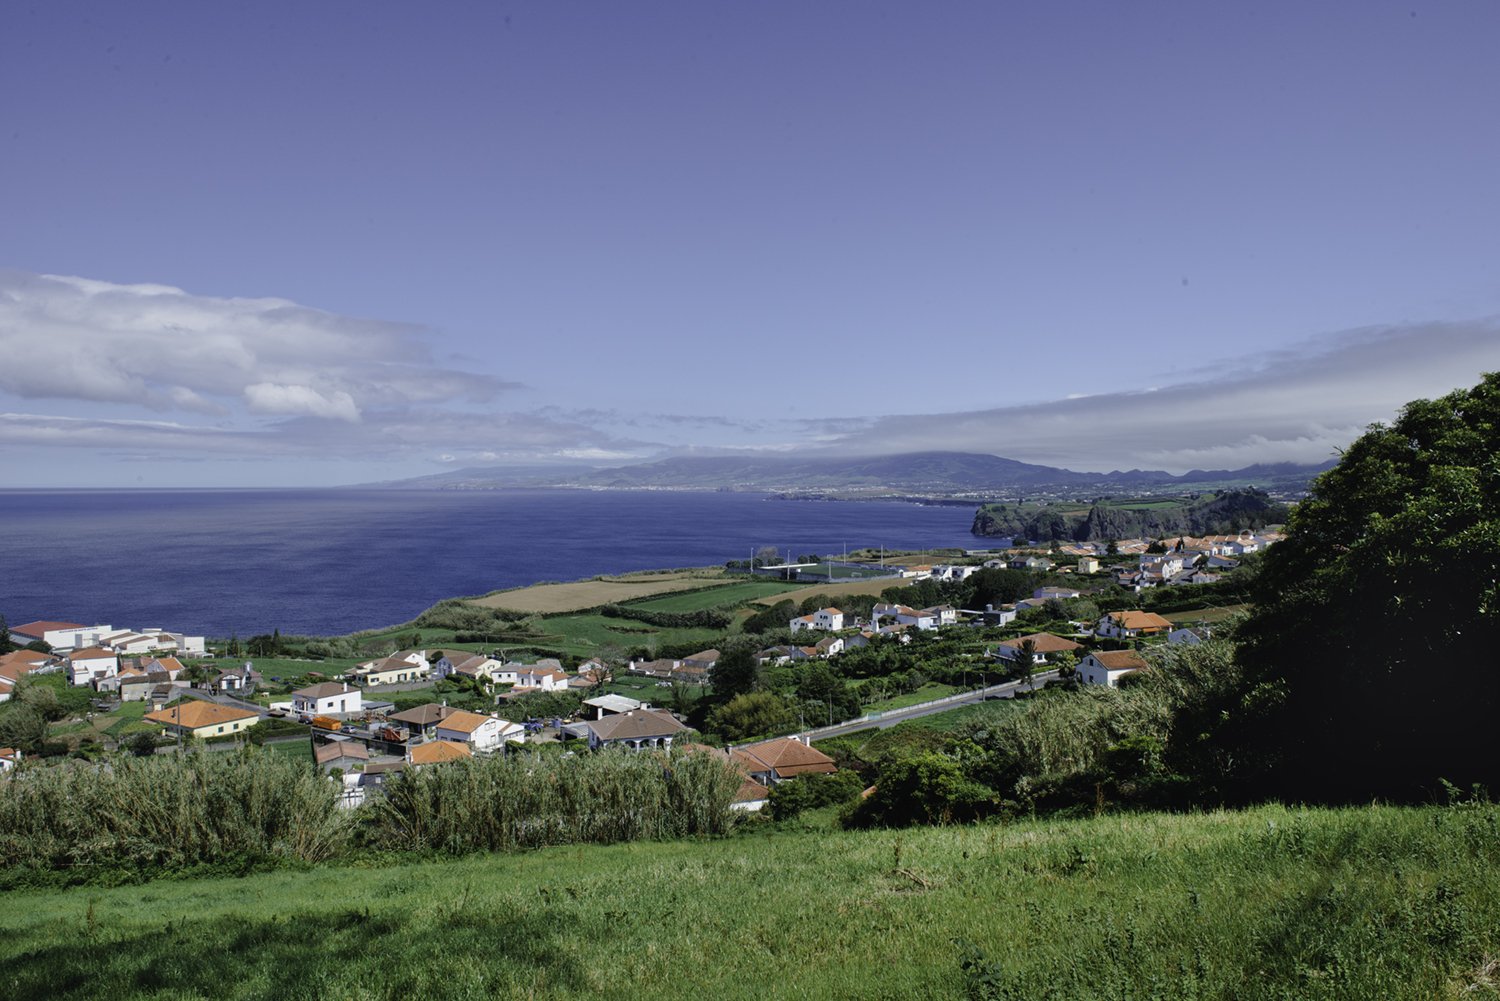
(327, 562)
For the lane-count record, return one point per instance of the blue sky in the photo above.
(291, 243)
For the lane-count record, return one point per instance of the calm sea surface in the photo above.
(325, 562)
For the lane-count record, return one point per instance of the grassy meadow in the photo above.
(550, 599)
(1268, 903)
(719, 597)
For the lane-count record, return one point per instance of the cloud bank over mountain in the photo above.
(151, 372)
(1291, 405)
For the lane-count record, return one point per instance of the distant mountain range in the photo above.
(937, 473)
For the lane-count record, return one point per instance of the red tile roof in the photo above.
(41, 626)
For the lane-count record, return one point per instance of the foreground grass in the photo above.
(1269, 903)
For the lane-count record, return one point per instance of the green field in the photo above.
(585, 635)
(829, 570)
(1206, 614)
(718, 597)
(1377, 902)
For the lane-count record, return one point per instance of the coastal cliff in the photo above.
(1209, 514)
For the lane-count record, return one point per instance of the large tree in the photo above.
(1371, 648)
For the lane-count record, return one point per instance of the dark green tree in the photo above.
(736, 672)
(1026, 660)
(22, 726)
(756, 714)
(6, 645)
(997, 586)
(1370, 649)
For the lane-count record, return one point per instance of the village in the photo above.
(153, 690)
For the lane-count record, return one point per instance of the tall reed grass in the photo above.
(525, 801)
(170, 811)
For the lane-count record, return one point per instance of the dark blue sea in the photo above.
(326, 562)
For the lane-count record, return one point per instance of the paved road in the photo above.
(890, 718)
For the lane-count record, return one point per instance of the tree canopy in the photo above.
(1370, 650)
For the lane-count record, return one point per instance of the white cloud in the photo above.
(267, 398)
(162, 348)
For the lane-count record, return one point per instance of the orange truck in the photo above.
(326, 723)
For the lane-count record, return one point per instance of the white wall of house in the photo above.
(1092, 672)
(484, 737)
(83, 670)
(76, 639)
(351, 701)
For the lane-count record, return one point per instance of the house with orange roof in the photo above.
(436, 752)
(1107, 667)
(1043, 645)
(10, 757)
(1130, 624)
(773, 761)
(18, 664)
(203, 719)
(480, 733)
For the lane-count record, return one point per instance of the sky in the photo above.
(303, 244)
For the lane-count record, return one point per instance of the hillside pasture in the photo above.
(585, 635)
(1377, 902)
(552, 599)
(1196, 615)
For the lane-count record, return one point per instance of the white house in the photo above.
(906, 616)
(1107, 667)
(946, 615)
(87, 664)
(545, 679)
(475, 666)
(481, 733)
(1059, 593)
(328, 699)
(1189, 635)
(947, 571)
(10, 757)
(824, 619)
(408, 665)
(606, 705)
